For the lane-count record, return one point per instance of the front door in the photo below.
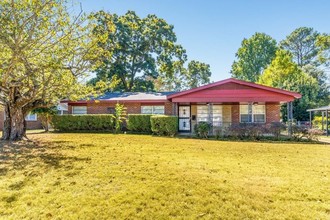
(184, 118)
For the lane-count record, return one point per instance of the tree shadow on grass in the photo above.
(17, 156)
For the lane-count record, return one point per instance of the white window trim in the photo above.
(28, 119)
(152, 109)
(240, 118)
(79, 106)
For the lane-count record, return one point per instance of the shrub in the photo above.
(139, 123)
(164, 125)
(317, 122)
(246, 130)
(220, 132)
(119, 117)
(275, 128)
(45, 115)
(300, 132)
(202, 129)
(313, 134)
(83, 122)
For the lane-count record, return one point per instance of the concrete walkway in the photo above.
(325, 139)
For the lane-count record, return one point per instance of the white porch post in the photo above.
(322, 121)
(210, 117)
(290, 117)
(327, 122)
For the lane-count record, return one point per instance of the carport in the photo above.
(325, 112)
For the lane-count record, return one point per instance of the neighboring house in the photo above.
(221, 103)
(32, 121)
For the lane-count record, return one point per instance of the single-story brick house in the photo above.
(221, 103)
(32, 120)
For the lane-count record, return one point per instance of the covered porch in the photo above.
(221, 115)
(230, 101)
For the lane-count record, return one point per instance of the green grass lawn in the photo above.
(106, 176)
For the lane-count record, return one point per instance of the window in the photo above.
(215, 114)
(111, 110)
(259, 113)
(202, 113)
(79, 110)
(252, 113)
(184, 111)
(153, 110)
(31, 117)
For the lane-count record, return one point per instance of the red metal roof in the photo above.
(243, 92)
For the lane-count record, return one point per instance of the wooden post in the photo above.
(310, 119)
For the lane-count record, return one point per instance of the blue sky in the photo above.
(212, 30)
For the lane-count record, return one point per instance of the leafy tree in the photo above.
(323, 43)
(283, 73)
(43, 53)
(174, 82)
(45, 115)
(323, 93)
(254, 55)
(120, 112)
(140, 49)
(302, 44)
(197, 74)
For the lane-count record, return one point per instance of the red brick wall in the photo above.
(235, 113)
(98, 108)
(272, 110)
(33, 124)
(169, 108)
(273, 113)
(69, 109)
(131, 107)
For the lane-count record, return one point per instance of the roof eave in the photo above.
(282, 91)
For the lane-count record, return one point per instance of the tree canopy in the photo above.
(323, 43)
(283, 73)
(254, 55)
(302, 44)
(197, 74)
(140, 49)
(43, 51)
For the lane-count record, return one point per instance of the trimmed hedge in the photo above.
(139, 123)
(83, 122)
(164, 125)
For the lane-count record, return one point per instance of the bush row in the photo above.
(83, 122)
(164, 125)
(157, 124)
(139, 123)
(255, 131)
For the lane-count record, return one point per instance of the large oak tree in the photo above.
(140, 50)
(43, 53)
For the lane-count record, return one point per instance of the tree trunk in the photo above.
(14, 125)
